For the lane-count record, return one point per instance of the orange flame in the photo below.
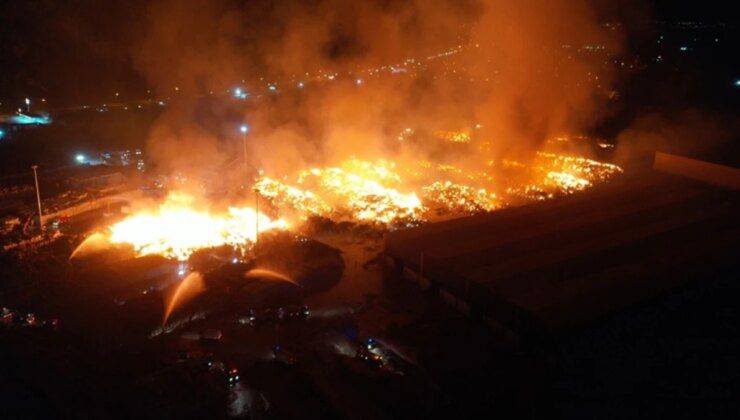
(176, 229)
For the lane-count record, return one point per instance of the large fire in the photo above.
(391, 194)
(359, 190)
(381, 192)
(177, 228)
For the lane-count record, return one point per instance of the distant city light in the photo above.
(737, 83)
(358, 82)
(239, 93)
(80, 158)
(300, 85)
(28, 101)
(2, 134)
(684, 48)
(244, 128)
(272, 88)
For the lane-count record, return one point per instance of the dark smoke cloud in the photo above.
(690, 132)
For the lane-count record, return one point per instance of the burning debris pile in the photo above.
(381, 192)
(390, 194)
(459, 198)
(561, 175)
(362, 192)
(178, 228)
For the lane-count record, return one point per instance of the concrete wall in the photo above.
(80, 208)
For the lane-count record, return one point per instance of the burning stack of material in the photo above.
(178, 227)
(384, 193)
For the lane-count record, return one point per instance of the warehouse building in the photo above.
(544, 269)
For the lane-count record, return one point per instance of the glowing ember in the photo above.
(457, 198)
(581, 167)
(284, 196)
(176, 229)
(530, 193)
(454, 136)
(567, 183)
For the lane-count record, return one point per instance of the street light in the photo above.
(38, 195)
(28, 105)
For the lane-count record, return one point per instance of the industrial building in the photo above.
(544, 269)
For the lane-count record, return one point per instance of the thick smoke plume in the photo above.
(517, 75)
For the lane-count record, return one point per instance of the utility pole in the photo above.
(38, 195)
(244, 130)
